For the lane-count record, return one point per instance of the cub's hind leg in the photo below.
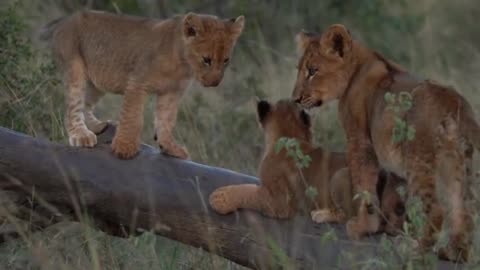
(75, 80)
(92, 96)
(228, 199)
(453, 160)
(422, 184)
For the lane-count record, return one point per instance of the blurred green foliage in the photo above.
(27, 103)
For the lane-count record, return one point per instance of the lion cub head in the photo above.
(285, 118)
(326, 66)
(209, 42)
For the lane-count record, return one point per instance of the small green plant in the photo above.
(292, 146)
(328, 237)
(417, 217)
(400, 104)
(279, 255)
(311, 192)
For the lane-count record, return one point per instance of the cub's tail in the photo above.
(46, 32)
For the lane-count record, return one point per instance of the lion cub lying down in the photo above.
(282, 190)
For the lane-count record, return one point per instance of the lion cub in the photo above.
(282, 190)
(335, 66)
(100, 52)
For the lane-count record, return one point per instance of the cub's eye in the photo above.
(226, 61)
(207, 61)
(312, 71)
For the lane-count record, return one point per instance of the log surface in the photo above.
(170, 197)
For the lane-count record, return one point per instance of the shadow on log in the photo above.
(170, 197)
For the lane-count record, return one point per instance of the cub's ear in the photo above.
(305, 118)
(336, 41)
(237, 25)
(192, 24)
(303, 39)
(263, 108)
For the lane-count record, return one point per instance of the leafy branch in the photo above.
(302, 160)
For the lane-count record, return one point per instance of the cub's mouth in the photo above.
(214, 83)
(309, 102)
(209, 81)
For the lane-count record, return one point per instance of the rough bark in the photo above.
(168, 196)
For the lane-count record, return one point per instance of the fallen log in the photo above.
(170, 197)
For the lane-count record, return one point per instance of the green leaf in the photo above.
(405, 100)
(280, 144)
(299, 153)
(278, 253)
(329, 236)
(399, 122)
(364, 196)
(307, 159)
(398, 135)
(311, 192)
(290, 143)
(389, 98)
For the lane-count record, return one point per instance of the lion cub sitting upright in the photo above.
(100, 52)
(282, 190)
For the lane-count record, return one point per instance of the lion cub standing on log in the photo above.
(100, 52)
(282, 190)
(334, 66)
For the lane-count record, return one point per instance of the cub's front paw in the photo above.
(174, 150)
(219, 200)
(327, 215)
(124, 150)
(82, 137)
(322, 215)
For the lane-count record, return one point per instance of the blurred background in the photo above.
(436, 39)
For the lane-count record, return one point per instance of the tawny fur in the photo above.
(453, 176)
(281, 193)
(333, 66)
(100, 52)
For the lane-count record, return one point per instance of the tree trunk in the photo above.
(170, 197)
